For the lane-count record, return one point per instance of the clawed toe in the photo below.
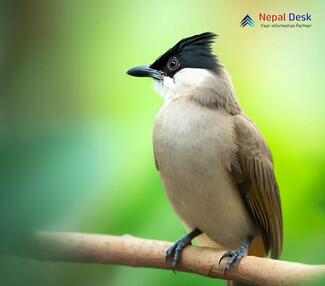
(170, 252)
(235, 257)
(175, 251)
(227, 254)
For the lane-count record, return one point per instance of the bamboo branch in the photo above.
(136, 252)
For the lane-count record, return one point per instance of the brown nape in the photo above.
(218, 91)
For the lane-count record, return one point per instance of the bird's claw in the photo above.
(235, 257)
(175, 251)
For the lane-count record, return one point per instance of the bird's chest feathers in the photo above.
(194, 146)
(188, 134)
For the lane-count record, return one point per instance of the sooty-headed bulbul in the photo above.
(214, 163)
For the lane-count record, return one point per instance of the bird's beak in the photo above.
(145, 71)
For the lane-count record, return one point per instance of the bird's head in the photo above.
(185, 65)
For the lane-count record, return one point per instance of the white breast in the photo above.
(193, 146)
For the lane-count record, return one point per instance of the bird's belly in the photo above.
(193, 156)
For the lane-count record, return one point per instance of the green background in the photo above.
(76, 146)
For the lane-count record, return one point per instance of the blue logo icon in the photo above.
(248, 20)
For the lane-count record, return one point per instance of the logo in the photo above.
(278, 20)
(248, 20)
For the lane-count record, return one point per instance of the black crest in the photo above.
(192, 52)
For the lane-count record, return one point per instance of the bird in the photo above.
(215, 165)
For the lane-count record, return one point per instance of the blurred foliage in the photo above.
(75, 131)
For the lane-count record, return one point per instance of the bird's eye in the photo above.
(173, 63)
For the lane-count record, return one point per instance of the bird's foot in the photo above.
(236, 255)
(234, 258)
(175, 251)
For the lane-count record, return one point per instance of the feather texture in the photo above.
(258, 185)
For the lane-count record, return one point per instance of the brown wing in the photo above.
(253, 171)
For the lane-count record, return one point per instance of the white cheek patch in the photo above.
(193, 78)
(165, 88)
(183, 82)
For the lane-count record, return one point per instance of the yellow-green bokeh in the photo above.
(76, 130)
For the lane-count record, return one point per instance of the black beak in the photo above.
(145, 71)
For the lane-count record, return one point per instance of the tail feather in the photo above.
(257, 247)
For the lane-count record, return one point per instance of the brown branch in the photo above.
(132, 251)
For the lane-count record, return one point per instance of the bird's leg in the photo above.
(236, 255)
(175, 251)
